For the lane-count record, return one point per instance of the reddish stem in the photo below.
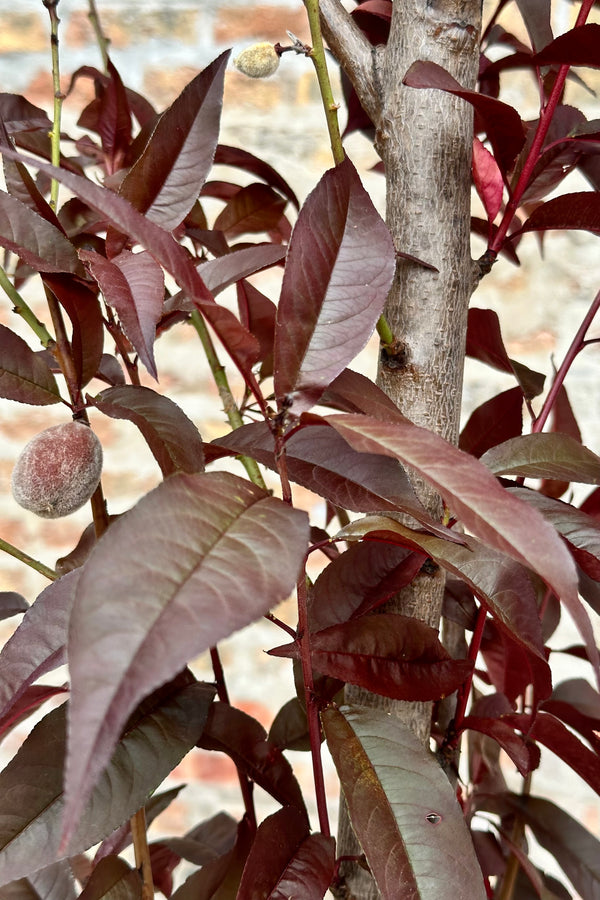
(546, 115)
(465, 689)
(577, 344)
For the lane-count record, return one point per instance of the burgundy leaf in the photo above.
(562, 419)
(289, 729)
(254, 208)
(29, 701)
(488, 179)
(494, 421)
(110, 370)
(577, 47)
(258, 315)
(206, 841)
(196, 559)
(242, 159)
(11, 604)
(484, 342)
(577, 704)
(501, 584)
(544, 455)
(339, 269)
(133, 284)
(242, 347)
(521, 753)
(166, 180)
(38, 644)
(352, 392)
(575, 849)
(121, 837)
(31, 786)
(53, 882)
(321, 461)
(83, 308)
(172, 437)
(473, 495)
(231, 731)
(359, 580)
(285, 860)
(402, 808)
(18, 114)
(33, 239)
(113, 118)
(502, 122)
(483, 229)
(388, 654)
(536, 16)
(511, 667)
(113, 877)
(220, 877)
(569, 211)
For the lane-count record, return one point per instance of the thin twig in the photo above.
(137, 823)
(28, 560)
(101, 38)
(26, 313)
(51, 6)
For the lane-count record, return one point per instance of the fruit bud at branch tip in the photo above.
(258, 61)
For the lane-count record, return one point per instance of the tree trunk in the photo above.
(424, 138)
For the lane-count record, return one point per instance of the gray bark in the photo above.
(424, 138)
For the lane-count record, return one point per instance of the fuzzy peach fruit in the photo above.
(58, 470)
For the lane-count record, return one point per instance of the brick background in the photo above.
(158, 47)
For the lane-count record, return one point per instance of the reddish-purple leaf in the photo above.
(31, 786)
(576, 850)
(579, 211)
(502, 122)
(339, 269)
(33, 239)
(242, 159)
(24, 375)
(54, 882)
(473, 495)
(254, 208)
(83, 308)
(522, 754)
(11, 604)
(133, 284)
(494, 421)
(210, 839)
(38, 644)
(488, 179)
(114, 118)
(484, 342)
(402, 808)
(577, 704)
(121, 837)
(388, 654)
(220, 877)
(166, 180)
(231, 731)
(285, 861)
(544, 455)
(536, 16)
(112, 877)
(352, 392)
(173, 438)
(577, 47)
(196, 559)
(501, 584)
(29, 702)
(562, 419)
(18, 114)
(258, 315)
(359, 580)
(241, 346)
(289, 729)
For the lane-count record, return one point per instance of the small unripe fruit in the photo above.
(258, 61)
(58, 470)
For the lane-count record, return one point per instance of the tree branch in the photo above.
(354, 53)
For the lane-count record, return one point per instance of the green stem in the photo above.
(28, 560)
(21, 307)
(229, 405)
(101, 38)
(317, 54)
(51, 6)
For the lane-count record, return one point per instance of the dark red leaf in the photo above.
(18, 114)
(526, 757)
(289, 730)
(580, 211)
(494, 421)
(121, 837)
(577, 47)
(388, 654)
(577, 704)
(544, 455)
(354, 393)
(172, 437)
(339, 269)
(29, 702)
(284, 860)
(255, 208)
(83, 308)
(114, 119)
(133, 284)
(484, 342)
(473, 495)
(11, 604)
(562, 420)
(373, 17)
(488, 179)
(242, 159)
(166, 180)
(209, 549)
(502, 122)
(536, 16)
(33, 239)
(220, 877)
(53, 882)
(258, 314)
(113, 877)
(359, 580)
(231, 731)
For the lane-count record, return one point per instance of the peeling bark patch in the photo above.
(394, 356)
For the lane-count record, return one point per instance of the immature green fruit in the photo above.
(258, 61)
(58, 470)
